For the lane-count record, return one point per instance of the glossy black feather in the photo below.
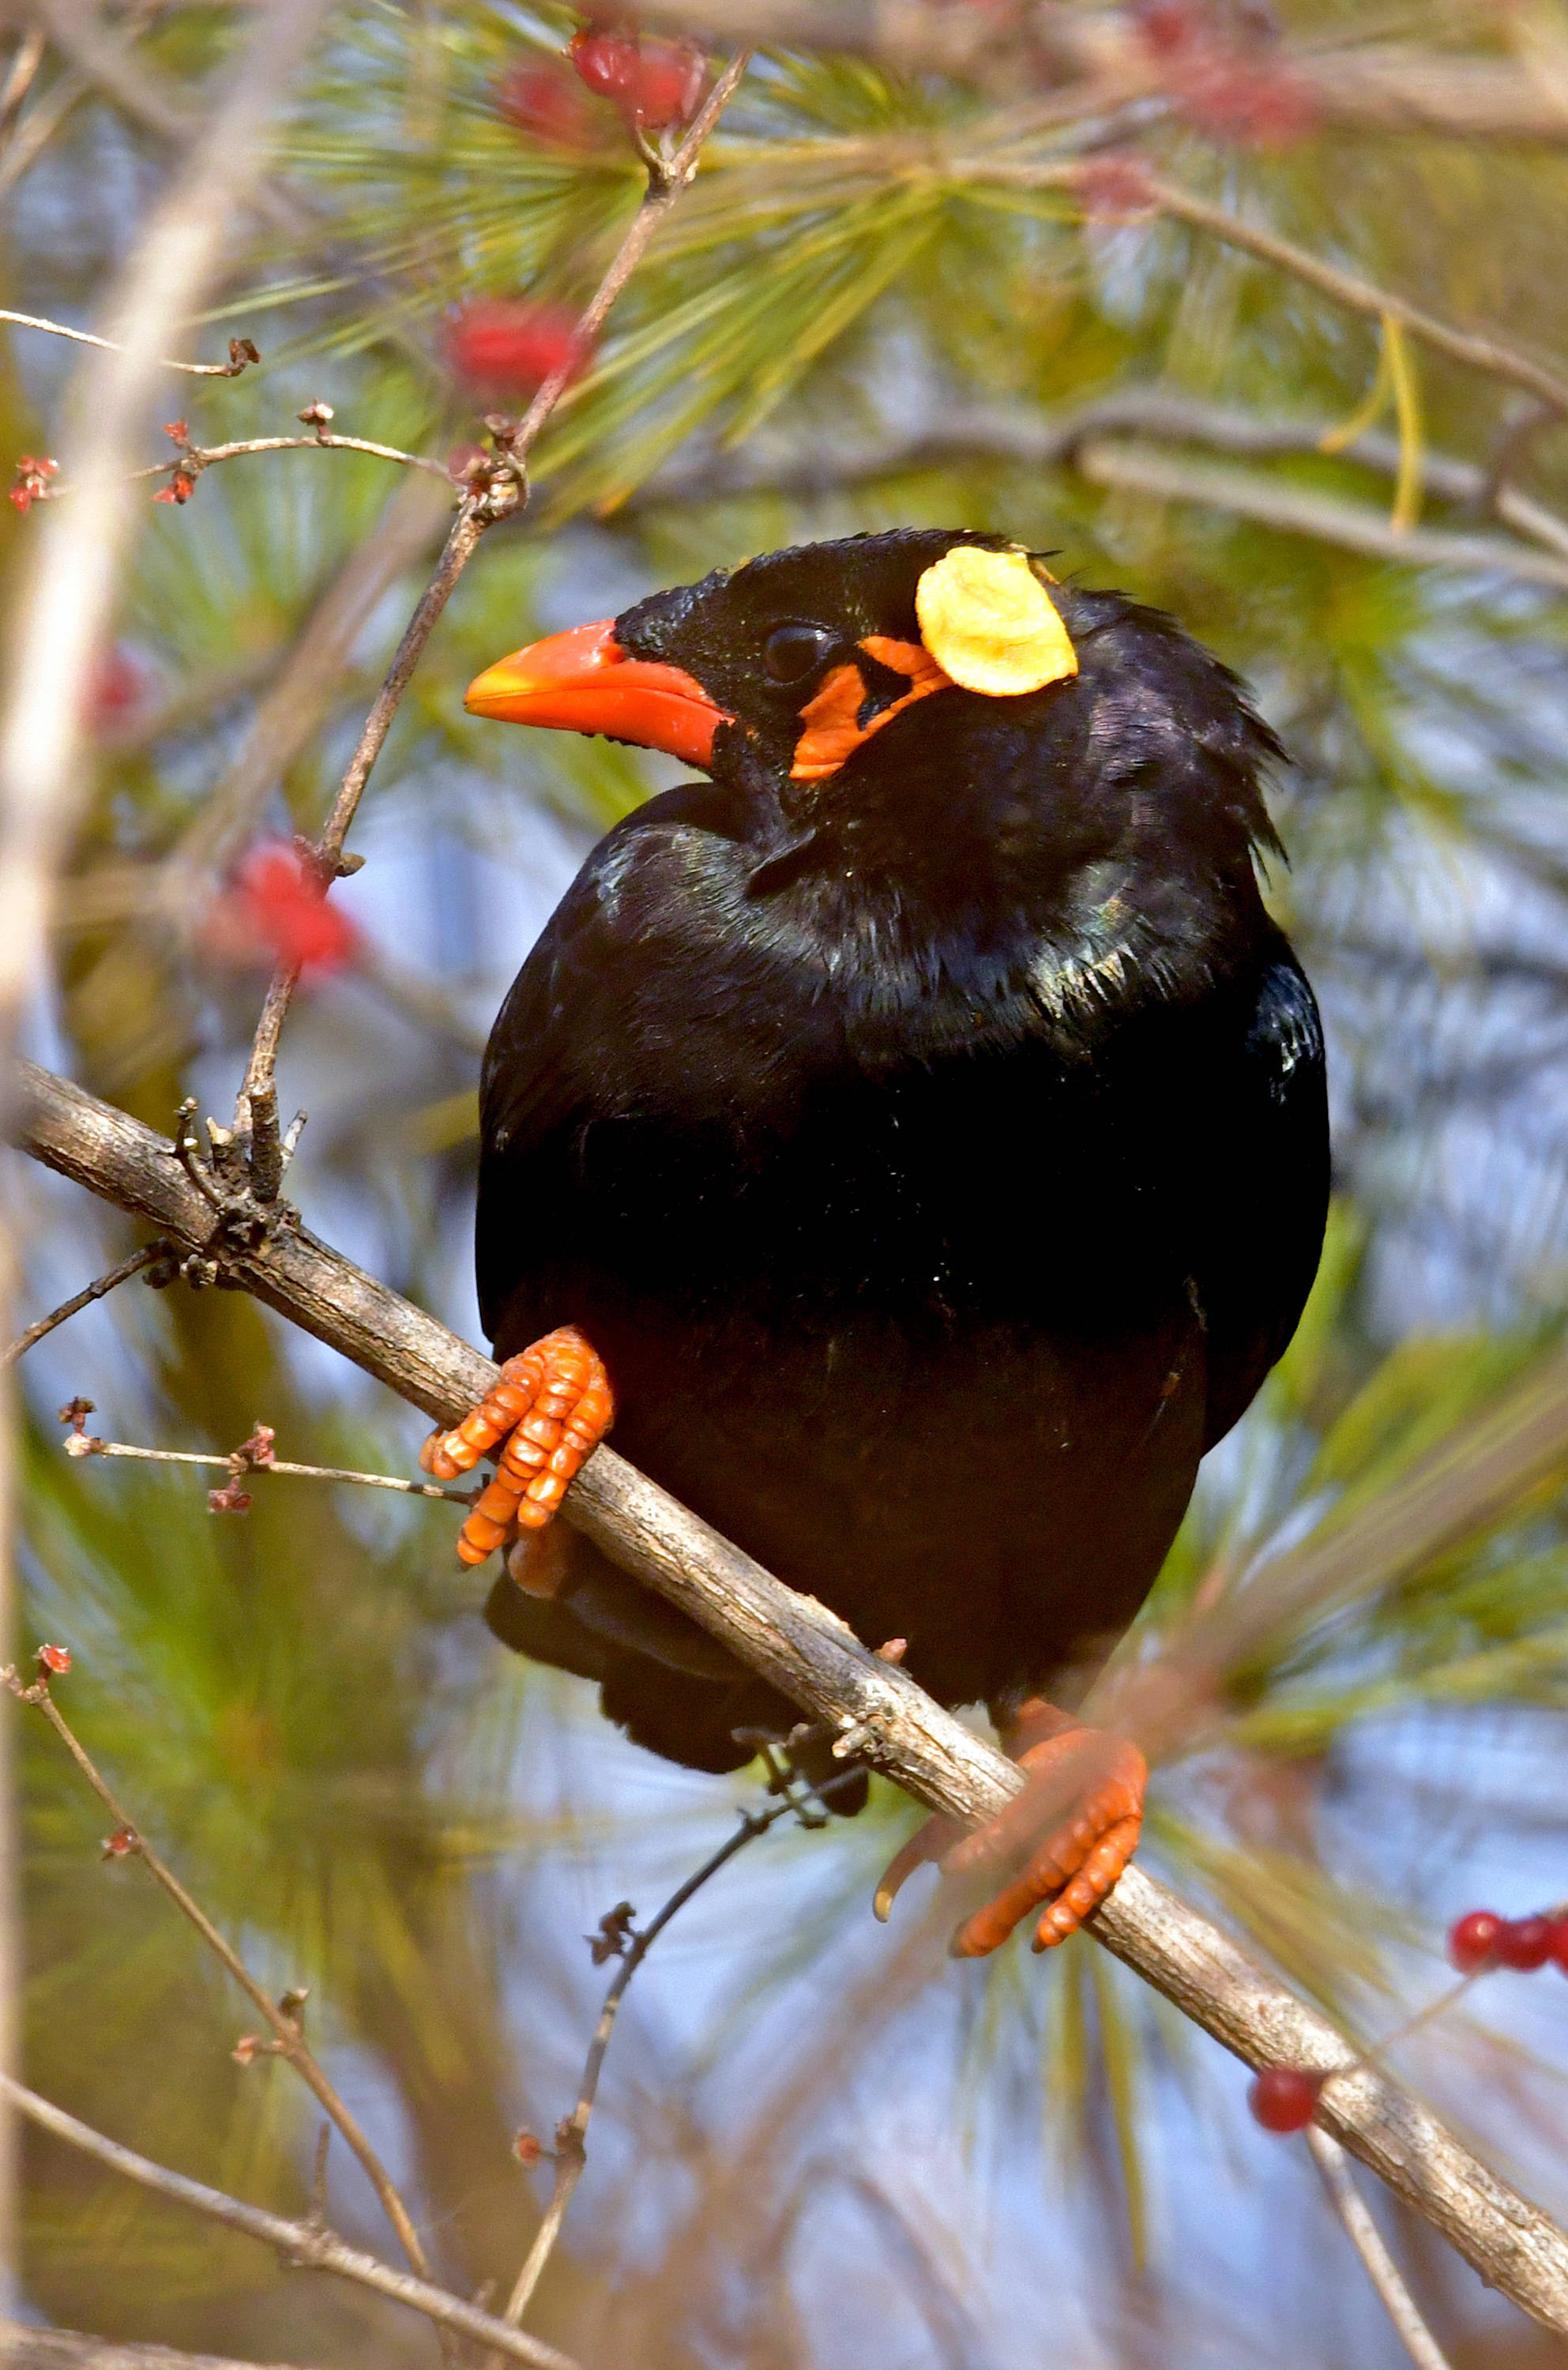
(936, 1155)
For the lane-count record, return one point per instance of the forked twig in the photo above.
(478, 509)
(1368, 2240)
(282, 2020)
(302, 2244)
(145, 1257)
(619, 1937)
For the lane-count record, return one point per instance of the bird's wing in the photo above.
(1265, 1230)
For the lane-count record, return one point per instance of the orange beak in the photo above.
(583, 682)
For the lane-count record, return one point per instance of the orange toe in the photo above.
(1076, 1820)
(551, 1408)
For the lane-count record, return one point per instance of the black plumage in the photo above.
(936, 1153)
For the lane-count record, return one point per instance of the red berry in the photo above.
(511, 346)
(277, 911)
(654, 84)
(547, 102)
(605, 62)
(1559, 1941)
(1524, 1943)
(1283, 2099)
(1472, 1941)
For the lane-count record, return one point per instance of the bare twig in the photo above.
(1367, 2238)
(40, 124)
(84, 1444)
(1055, 439)
(94, 1291)
(242, 353)
(69, 2349)
(502, 493)
(571, 2153)
(302, 2244)
(284, 2020)
(26, 60)
(1355, 526)
(804, 1649)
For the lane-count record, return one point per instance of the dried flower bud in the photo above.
(54, 1658)
(33, 474)
(179, 489)
(248, 2047)
(178, 429)
(615, 1932)
(315, 415)
(241, 351)
(82, 1444)
(230, 1499)
(526, 2149)
(121, 1844)
(258, 1451)
(292, 2002)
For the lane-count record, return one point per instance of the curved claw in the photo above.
(1078, 1846)
(929, 1842)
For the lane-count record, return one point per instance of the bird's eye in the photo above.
(790, 652)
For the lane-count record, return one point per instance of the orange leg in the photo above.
(551, 1408)
(1076, 1823)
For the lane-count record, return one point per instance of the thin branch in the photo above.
(283, 2022)
(480, 509)
(1053, 440)
(1249, 494)
(79, 1300)
(572, 2132)
(1368, 2240)
(25, 2348)
(26, 60)
(1357, 296)
(84, 1444)
(241, 353)
(304, 2245)
(806, 1651)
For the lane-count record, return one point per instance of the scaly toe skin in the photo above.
(1078, 1818)
(551, 1408)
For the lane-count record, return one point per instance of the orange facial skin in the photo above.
(831, 731)
(552, 1407)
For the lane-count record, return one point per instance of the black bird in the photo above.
(923, 1121)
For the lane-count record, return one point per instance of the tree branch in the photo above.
(805, 1650)
(304, 2244)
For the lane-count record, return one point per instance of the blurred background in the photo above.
(818, 2143)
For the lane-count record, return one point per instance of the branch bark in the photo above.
(816, 1659)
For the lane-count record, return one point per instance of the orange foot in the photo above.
(552, 1407)
(1076, 1819)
